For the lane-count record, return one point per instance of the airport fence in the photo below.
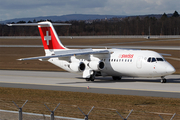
(47, 111)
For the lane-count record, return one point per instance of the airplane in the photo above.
(113, 62)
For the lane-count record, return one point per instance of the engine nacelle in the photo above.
(96, 65)
(77, 66)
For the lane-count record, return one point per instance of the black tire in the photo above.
(90, 79)
(163, 80)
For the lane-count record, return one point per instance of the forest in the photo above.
(134, 25)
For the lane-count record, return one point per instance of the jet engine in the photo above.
(77, 66)
(96, 65)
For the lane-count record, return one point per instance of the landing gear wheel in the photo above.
(91, 78)
(163, 80)
(116, 77)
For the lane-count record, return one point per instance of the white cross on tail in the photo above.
(47, 37)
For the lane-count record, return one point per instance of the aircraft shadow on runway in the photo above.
(109, 80)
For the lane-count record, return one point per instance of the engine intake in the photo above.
(77, 67)
(96, 65)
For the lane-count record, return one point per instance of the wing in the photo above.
(68, 53)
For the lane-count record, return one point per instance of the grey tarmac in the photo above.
(64, 81)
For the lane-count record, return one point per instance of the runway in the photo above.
(64, 81)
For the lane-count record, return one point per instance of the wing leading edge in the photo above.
(68, 53)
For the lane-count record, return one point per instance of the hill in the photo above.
(64, 17)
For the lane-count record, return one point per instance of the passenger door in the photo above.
(139, 62)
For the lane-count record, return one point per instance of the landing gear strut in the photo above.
(163, 80)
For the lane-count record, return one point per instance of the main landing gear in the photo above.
(163, 80)
(92, 77)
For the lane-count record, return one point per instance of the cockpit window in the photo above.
(149, 60)
(159, 59)
(153, 59)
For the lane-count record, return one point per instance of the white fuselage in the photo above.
(120, 62)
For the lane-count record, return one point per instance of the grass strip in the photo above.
(105, 104)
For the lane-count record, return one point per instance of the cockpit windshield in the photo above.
(149, 59)
(159, 59)
(153, 59)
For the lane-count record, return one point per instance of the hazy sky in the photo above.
(10, 9)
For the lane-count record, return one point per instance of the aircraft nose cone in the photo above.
(170, 70)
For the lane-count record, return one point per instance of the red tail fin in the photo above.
(49, 36)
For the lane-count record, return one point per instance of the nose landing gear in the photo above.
(163, 80)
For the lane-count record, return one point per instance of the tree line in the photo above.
(135, 25)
